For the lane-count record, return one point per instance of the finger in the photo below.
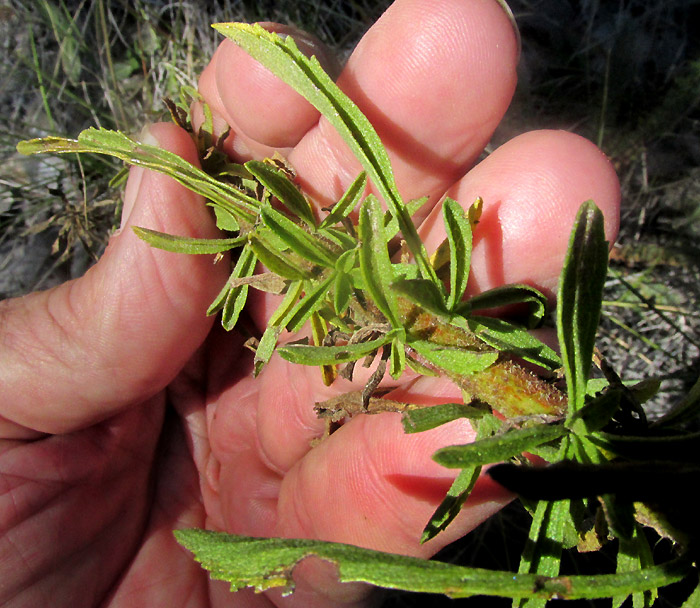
(264, 113)
(389, 478)
(368, 484)
(372, 485)
(434, 78)
(86, 349)
(532, 188)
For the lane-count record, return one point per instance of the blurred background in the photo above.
(624, 73)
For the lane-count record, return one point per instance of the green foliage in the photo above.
(266, 563)
(579, 299)
(363, 304)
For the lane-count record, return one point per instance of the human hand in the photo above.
(125, 415)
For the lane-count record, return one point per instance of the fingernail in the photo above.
(514, 23)
(133, 185)
(309, 45)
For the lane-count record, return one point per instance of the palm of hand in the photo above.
(172, 432)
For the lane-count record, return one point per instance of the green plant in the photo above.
(338, 275)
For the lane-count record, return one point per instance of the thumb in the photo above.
(81, 352)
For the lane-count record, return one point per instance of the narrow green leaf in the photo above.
(426, 418)
(542, 554)
(596, 413)
(185, 244)
(114, 143)
(463, 485)
(634, 555)
(283, 311)
(265, 563)
(391, 228)
(342, 290)
(225, 220)
(346, 261)
(398, 358)
(508, 295)
(456, 360)
(277, 182)
(237, 296)
(330, 355)
(347, 202)
(276, 261)
(509, 338)
(451, 505)
(459, 237)
(306, 77)
(220, 299)
(266, 347)
(375, 264)
(310, 303)
(497, 448)
(579, 299)
(340, 238)
(296, 238)
(424, 293)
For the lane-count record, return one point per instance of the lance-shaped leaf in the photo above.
(347, 202)
(277, 182)
(634, 555)
(497, 448)
(507, 295)
(284, 310)
(391, 227)
(398, 357)
(462, 486)
(451, 505)
(426, 418)
(424, 293)
(225, 220)
(459, 237)
(185, 244)
(579, 299)
(542, 554)
(277, 261)
(509, 338)
(375, 264)
(596, 413)
(265, 563)
(236, 296)
(266, 347)
(310, 303)
(296, 238)
(330, 355)
(306, 77)
(319, 331)
(277, 322)
(456, 360)
(342, 290)
(114, 143)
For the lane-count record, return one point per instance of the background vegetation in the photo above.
(625, 74)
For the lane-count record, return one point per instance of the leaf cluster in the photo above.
(360, 278)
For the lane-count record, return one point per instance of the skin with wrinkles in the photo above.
(126, 414)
